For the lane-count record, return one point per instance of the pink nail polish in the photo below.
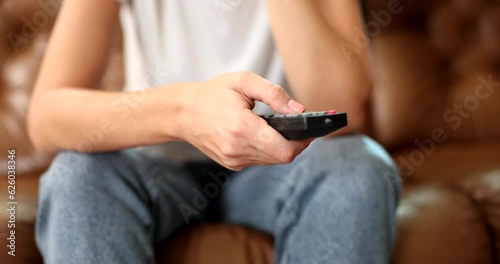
(295, 106)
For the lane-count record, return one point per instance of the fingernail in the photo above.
(295, 106)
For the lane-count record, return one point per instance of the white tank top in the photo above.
(169, 41)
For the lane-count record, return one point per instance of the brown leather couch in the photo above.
(433, 107)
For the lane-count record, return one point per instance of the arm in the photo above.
(309, 35)
(67, 112)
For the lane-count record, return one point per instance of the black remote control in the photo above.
(307, 125)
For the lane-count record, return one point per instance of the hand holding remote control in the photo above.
(217, 119)
(307, 125)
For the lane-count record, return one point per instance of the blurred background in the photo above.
(435, 106)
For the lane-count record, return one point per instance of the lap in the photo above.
(118, 185)
(349, 165)
(353, 167)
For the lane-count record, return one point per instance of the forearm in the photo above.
(92, 120)
(320, 74)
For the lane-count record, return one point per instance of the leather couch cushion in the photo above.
(217, 243)
(429, 66)
(437, 224)
(467, 173)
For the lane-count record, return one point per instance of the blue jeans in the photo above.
(334, 204)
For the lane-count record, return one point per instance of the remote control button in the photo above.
(318, 113)
(303, 115)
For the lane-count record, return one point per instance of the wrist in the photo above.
(176, 104)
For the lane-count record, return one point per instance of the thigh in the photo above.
(347, 167)
(118, 191)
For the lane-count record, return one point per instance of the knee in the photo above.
(73, 173)
(355, 166)
(373, 177)
(377, 168)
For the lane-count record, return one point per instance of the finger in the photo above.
(211, 154)
(265, 159)
(300, 146)
(258, 88)
(267, 140)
